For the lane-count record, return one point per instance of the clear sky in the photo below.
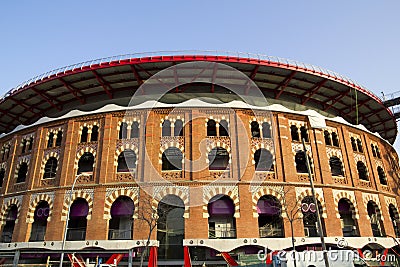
(358, 38)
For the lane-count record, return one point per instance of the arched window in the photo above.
(336, 166)
(172, 159)
(95, 134)
(170, 227)
(362, 171)
(327, 137)
(394, 217)
(221, 222)
(223, 128)
(353, 144)
(218, 159)
(8, 228)
(39, 224)
(378, 153)
(30, 144)
(50, 168)
(22, 172)
(346, 210)
(85, 163)
(59, 138)
(255, 129)
(304, 133)
(264, 160)
(51, 140)
(166, 128)
(120, 225)
(211, 128)
(23, 146)
(135, 129)
(266, 130)
(294, 131)
(335, 139)
(123, 130)
(2, 176)
(359, 146)
(126, 161)
(78, 220)
(373, 150)
(178, 129)
(301, 164)
(382, 175)
(84, 134)
(270, 222)
(375, 219)
(310, 218)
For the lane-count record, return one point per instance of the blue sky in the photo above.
(359, 38)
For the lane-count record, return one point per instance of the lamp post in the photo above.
(68, 210)
(319, 223)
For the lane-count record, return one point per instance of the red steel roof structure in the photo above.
(105, 80)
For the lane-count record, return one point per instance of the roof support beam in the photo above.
(337, 99)
(45, 97)
(252, 76)
(137, 76)
(285, 83)
(72, 90)
(314, 90)
(27, 107)
(103, 84)
(359, 104)
(11, 115)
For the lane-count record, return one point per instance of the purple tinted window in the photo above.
(122, 207)
(12, 213)
(79, 208)
(344, 207)
(268, 207)
(222, 206)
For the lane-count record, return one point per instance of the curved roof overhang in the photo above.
(75, 86)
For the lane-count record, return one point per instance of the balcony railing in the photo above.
(119, 234)
(223, 234)
(6, 237)
(37, 235)
(76, 234)
(270, 232)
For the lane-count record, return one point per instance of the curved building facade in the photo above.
(89, 160)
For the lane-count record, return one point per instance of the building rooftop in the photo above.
(93, 84)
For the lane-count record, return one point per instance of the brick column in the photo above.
(97, 226)
(246, 225)
(332, 222)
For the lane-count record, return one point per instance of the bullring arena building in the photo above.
(90, 157)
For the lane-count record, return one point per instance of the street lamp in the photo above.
(66, 224)
(321, 234)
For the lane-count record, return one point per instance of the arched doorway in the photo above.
(270, 223)
(310, 219)
(8, 229)
(39, 224)
(77, 220)
(120, 225)
(221, 222)
(171, 227)
(348, 223)
(375, 219)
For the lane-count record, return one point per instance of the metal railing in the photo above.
(222, 234)
(124, 57)
(119, 234)
(75, 234)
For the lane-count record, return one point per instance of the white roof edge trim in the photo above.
(191, 103)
